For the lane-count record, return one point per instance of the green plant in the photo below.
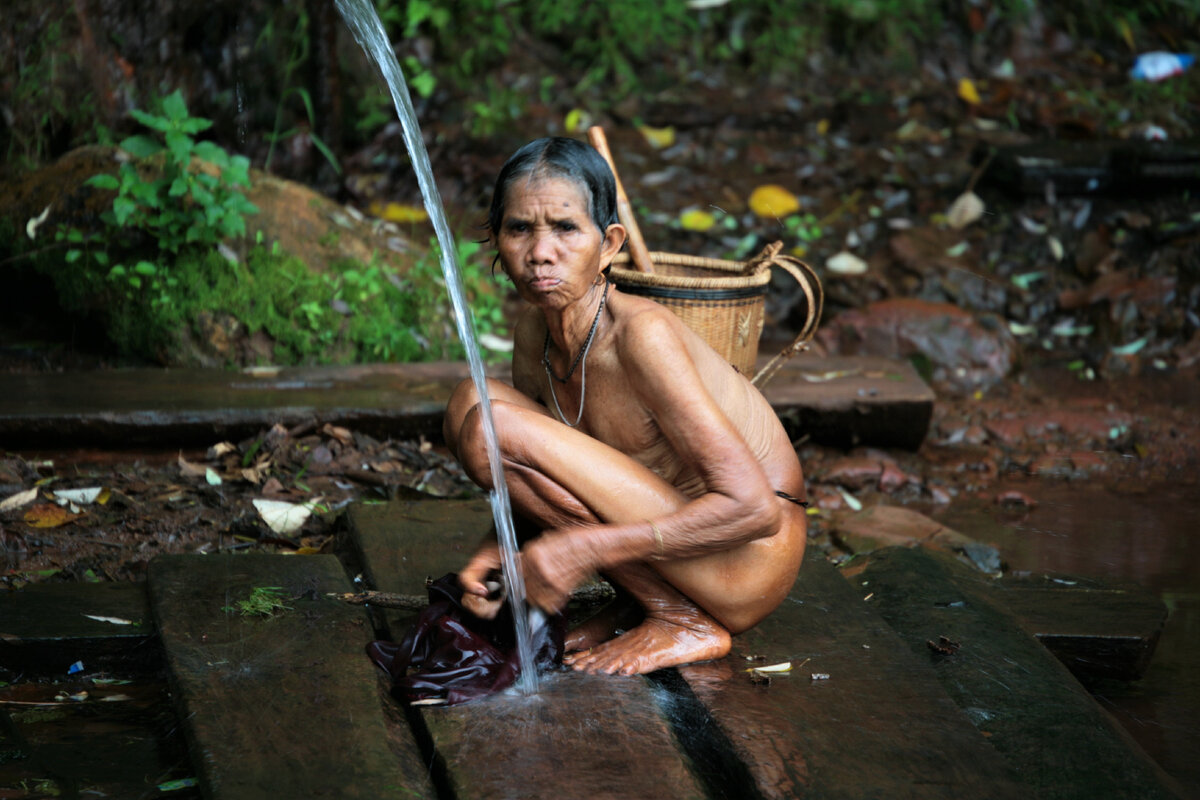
(181, 193)
(262, 602)
(297, 57)
(47, 101)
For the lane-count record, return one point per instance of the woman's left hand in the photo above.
(553, 565)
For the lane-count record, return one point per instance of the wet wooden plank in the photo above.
(879, 724)
(846, 401)
(405, 541)
(1046, 725)
(842, 400)
(1097, 629)
(285, 706)
(47, 627)
(580, 736)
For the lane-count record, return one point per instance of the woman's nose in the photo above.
(542, 247)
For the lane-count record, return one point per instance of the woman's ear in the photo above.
(614, 240)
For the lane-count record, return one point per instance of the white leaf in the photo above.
(19, 499)
(81, 496)
(111, 620)
(1056, 248)
(967, 208)
(283, 518)
(852, 501)
(33, 224)
(212, 477)
(785, 666)
(493, 342)
(845, 263)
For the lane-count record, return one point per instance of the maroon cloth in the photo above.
(453, 655)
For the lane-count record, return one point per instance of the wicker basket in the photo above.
(723, 301)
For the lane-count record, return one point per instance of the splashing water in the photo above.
(364, 23)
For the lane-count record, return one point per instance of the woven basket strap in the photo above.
(814, 296)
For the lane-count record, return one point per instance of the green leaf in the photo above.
(174, 106)
(194, 124)
(180, 145)
(123, 207)
(101, 258)
(103, 181)
(212, 152)
(423, 83)
(145, 268)
(179, 187)
(73, 256)
(75, 235)
(140, 147)
(150, 120)
(116, 272)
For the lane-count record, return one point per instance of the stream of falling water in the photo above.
(364, 23)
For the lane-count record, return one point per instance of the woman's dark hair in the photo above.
(559, 157)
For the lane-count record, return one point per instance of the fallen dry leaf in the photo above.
(48, 515)
(967, 208)
(19, 499)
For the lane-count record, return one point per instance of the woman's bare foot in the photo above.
(622, 613)
(665, 639)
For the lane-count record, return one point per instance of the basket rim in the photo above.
(738, 279)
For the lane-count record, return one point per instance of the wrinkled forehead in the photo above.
(546, 176)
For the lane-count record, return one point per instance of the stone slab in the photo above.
(1053, 733)
(580, 736)
(46, 627)
(285, 706)
(858, 400)
(858, 716)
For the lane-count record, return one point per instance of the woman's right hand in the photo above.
(472, 578)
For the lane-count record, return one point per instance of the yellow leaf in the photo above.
(46, 515)
(696, 219)
(398, 212)
(822, 127)
(773, 202)
(967, 91)
(658, 137)
(577, 120)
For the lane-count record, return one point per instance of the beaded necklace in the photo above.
(579, 359)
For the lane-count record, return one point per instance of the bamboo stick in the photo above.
(638, 252)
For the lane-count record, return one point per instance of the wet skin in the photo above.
(667, 485)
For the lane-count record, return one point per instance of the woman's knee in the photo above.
(464, 398)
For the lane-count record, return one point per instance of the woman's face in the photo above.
(548, 243)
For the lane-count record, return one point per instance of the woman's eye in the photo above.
(567, 225)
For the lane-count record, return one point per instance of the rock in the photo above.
(884, 526)
(302, 221)
(854, 472)
(965, 352)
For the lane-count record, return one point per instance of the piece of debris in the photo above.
(944, 646)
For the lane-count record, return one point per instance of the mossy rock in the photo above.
(304, 223)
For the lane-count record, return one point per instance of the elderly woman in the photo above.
(636, 449)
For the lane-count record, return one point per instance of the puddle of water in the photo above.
(127, 746)
(1143, 535)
